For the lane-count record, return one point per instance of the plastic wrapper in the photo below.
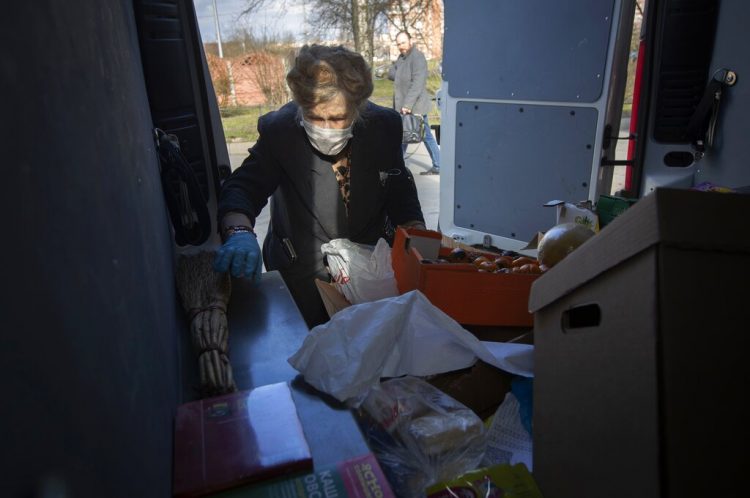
(498, 481)
(361, 273)
(508, 441)
(420, 435)
(392, 337)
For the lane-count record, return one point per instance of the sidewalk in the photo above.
(417, 160)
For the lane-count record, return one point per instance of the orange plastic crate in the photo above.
(465, 294)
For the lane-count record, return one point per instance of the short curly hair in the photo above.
(321, 72)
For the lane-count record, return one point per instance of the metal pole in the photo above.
(218, 30)
(304, 22)
(232, 93)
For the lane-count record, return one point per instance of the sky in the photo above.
(277, 17)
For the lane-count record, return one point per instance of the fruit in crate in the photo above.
(457, 254)
(480, 260)
(503, 262)
(486, 265)
(488, 262)
(561, 240)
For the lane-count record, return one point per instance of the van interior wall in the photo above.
(685, 33)
(92, 331)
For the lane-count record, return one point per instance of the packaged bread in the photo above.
(420, 434)
(439, 433)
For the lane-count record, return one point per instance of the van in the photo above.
(95, 353)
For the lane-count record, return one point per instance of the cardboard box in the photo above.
(333, 300)
(466, 295)
(481, 387)
(641, 337)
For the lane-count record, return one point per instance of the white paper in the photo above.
(402, 335)
(507, 440)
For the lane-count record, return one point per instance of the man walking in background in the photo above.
(409, 74)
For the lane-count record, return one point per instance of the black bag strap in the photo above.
(186, 203)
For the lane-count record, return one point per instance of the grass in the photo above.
(240, 123)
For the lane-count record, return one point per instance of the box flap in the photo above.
(333, 300)
(678, 218)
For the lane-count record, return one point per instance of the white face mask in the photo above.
(328, 141)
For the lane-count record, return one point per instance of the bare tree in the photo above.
(410, 16)
(356, 17)
(252, 6)
(220, 78)
(358, 20)
(269, 73)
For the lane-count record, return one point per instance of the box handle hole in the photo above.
(579, 317)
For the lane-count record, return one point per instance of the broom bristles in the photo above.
(198, 284)
(204, 294)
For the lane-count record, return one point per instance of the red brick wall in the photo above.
(244, 73)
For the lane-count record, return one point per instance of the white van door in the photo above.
(529, 89)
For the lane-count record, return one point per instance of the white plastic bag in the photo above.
(361, 273)
(507, 439)
(395, 336)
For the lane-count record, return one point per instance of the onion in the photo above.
(561, 240)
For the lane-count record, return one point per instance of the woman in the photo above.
(331, 162)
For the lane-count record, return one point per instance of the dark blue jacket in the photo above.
(306, 206)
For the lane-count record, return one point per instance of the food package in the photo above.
(581, 213)
(498, 481)
(420, 434)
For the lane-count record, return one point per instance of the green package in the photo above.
(503, 480)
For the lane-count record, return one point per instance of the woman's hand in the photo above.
(240, 254)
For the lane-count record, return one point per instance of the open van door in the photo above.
(183, 105)
(95, 344)
(693, 116)
(530, 110)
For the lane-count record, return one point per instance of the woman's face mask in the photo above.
(328, 141)
(328, 125)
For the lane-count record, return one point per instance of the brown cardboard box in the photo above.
(333, 300)
(481, 388)
(640, 352)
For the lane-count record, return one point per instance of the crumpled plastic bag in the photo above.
(402, 335)
(419, 434)
(361, 273)
(508, 441)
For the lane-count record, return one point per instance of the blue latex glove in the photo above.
(241, 255)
